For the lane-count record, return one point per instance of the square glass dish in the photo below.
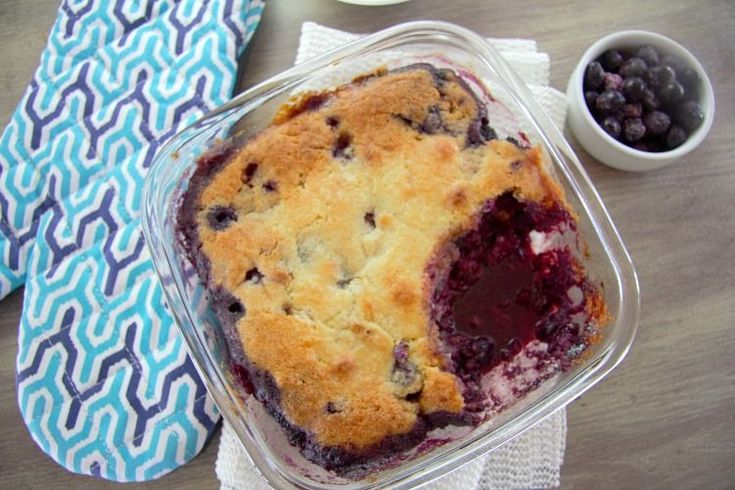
(512, 112)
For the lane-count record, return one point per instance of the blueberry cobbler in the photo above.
(383, 264)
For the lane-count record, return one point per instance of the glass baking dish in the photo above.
(512, 112)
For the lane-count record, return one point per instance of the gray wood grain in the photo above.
(666, 417)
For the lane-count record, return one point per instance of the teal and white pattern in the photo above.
(104, 382)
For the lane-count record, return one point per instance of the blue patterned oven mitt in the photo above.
(104, 381)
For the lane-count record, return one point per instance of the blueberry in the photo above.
(651, 102)
(657, 122)
(649, 145)
(619, 114)
(647, 54)
(634, 88)
(220, 217)
(689, 115)
(609, 101)
(547, 330)
(655, 145)
(254, 275)
(479, 131)
(433, 122)
(671, 93)
(594, 75)
(236, 309)
(611, 126)
(658, 76)
(675, 137)
(691, 80)
(633, 110)
(674, 62)
(633, 129)
(340, 149)
(613, 81)
(332, 407)
(486, 131)
(633, 67)
(611, 59)
(589, 98)
(249, 172)
(514, 345)
(401, 351)
(404, 371)
(228, 307)
(481, 348)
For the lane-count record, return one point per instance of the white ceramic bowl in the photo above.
(604, 147)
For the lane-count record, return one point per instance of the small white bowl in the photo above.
(603, 146)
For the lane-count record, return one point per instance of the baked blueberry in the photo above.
(253, 275)
(341, 148)
(249, 172)
(220, 217)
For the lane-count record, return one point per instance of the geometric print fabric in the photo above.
(105, 384)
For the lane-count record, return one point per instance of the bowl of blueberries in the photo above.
(639, 101)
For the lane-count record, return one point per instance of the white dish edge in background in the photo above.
(373, 3)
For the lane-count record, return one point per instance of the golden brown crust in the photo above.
(355, 289)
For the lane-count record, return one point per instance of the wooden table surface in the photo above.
(666, 417)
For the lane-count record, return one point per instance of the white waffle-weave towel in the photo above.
(531, 460)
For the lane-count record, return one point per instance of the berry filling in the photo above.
(504, 290)
(221, 217)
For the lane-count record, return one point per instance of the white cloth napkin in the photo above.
(531, 460)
